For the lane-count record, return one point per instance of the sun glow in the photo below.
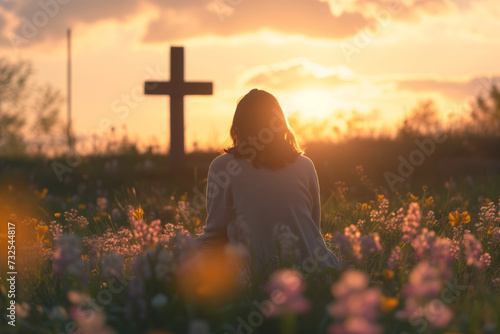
(315, 103)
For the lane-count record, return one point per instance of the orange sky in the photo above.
(321, 58)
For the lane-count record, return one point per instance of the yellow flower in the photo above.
(487, 201)
(490, 230)
(85, 257)
(387, 274)
(380, 197)
(429, 201)
(41, 231)
(365, 207)
(328, 236)
(104, 213)
(139, 213)
(81, 206)
(413, 198)
(42, 194)
(57, 214)
(457, 218)
(388, 303)
(97, 218)
(31, 221)
(183, 198)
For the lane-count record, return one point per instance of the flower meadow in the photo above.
(129, 263)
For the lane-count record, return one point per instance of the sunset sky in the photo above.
(321, 58)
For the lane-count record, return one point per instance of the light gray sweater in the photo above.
(242, 199)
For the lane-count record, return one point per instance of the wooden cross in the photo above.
(177, 88)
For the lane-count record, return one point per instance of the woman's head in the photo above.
(260, 132)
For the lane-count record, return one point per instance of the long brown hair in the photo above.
(260, 132)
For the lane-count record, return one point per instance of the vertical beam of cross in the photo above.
(177, 88)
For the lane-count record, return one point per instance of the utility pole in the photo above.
(68, 130)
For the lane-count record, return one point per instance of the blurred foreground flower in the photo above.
(356, 307)
(94, 323)
(388, 303)
(112, 265)
(68, 256)
(208, 279)
(422, 292)
(285, 289)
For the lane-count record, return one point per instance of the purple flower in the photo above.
(112, 265)
(394, 257)
(371, 243)
(68, 256)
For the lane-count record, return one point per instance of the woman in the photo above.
(264, 193)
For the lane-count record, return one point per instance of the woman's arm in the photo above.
(315, 194)
(219, 207)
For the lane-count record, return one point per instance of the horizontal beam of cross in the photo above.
(178, 88)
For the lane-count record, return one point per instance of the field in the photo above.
(111, 249)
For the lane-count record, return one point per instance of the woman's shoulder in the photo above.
(304, 161)
(224, 161)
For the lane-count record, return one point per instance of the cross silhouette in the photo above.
(177, 88)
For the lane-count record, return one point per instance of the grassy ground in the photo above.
(424, 254)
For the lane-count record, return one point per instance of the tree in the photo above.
(27, 110)
(422, 120)
(485, 113)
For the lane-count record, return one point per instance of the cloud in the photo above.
(310, 18)
(409, 8)
(449, 88)
(297, 73)
(41, 20)
(300, 73)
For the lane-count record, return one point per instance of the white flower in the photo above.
(159, 300)
(199, 327)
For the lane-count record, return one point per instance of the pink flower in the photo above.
(285, 289)
(350, 241)
(423, 242)
(485, 260)
(411, 223)
(422, 292)
(356, 306)
(424, 281)
(395, 220)
(147, 234)
(438, 314)
(355, 325)
(473, 250)
(442, 256)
